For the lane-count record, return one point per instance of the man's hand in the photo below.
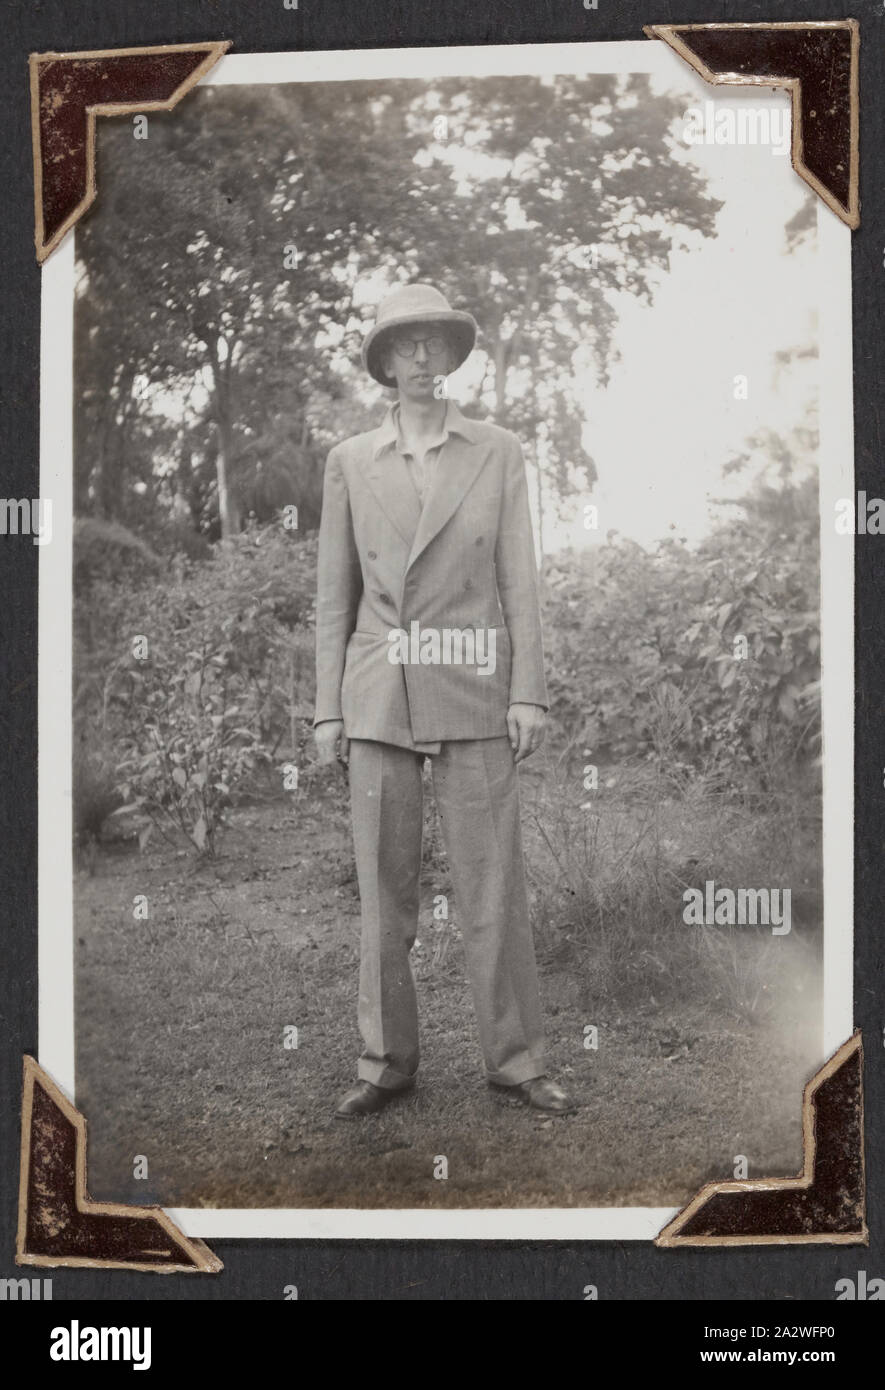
(331, 743)
(526, 727)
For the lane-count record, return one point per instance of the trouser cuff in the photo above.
(515, 1073)
(384, 1076)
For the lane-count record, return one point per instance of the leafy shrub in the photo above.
(186, 747)
(107, 549)
(641, 646)
(199, 676)
(95, 791)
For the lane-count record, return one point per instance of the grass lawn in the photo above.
(181, 1020)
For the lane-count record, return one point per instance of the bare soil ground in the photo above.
(181, 1021)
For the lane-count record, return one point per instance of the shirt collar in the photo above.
(387, 434)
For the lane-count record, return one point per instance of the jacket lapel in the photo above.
(388, 477)
(457, 466)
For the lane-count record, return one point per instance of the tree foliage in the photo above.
(223, 273)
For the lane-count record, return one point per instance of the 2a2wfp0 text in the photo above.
(446, 646)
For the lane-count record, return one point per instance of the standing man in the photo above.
(428, 642)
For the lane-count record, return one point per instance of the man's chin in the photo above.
(419, 390)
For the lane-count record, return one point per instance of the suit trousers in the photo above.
(476, 786)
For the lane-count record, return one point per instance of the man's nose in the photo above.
(420, 351)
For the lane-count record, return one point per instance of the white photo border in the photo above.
(56, 1022)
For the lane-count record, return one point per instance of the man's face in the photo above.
(417, 356)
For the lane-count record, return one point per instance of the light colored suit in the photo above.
(464, 559)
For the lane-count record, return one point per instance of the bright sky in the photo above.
(668, 420)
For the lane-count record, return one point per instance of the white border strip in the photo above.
(55, 860)
(836, 452)
(329, 1223)
(381, 64)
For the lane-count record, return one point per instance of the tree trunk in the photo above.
(228, 507)
(109, 471)
(229, 512)
(500, 379)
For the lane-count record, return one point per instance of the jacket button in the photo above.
(479, 540)
(468, 584)
(385, 598)
(372, 555)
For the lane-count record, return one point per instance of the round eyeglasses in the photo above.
(407, 347)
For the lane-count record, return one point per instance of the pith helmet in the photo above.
(415, 304)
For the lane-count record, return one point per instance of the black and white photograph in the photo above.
(446, 645)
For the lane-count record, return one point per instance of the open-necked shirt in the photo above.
(421, 470)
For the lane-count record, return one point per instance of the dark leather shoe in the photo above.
(544, 1094)
(366, 1099)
